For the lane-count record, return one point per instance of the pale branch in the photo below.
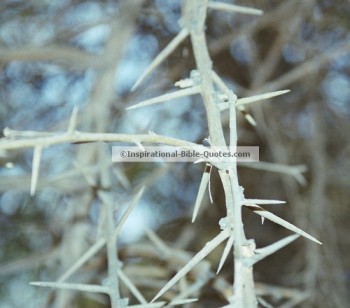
(194, 16)
(243, 280)
(8, 143)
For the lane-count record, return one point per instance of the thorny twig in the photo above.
(208, 85)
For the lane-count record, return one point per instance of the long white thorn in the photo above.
(84, 258)
(35, 169)
(176, 41)
(252, 99)
(203, 185)
(227, 249)
(231, 8)
(262, 253)
(260, 97)
(268, 215)
(208, 248)
(126, 214)
(73, 120)
(167, 97)
(262, 201)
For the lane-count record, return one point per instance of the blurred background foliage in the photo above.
(58, 54)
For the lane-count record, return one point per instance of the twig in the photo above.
(81, 137)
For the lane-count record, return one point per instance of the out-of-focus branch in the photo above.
(68, 56)
(306, 69)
